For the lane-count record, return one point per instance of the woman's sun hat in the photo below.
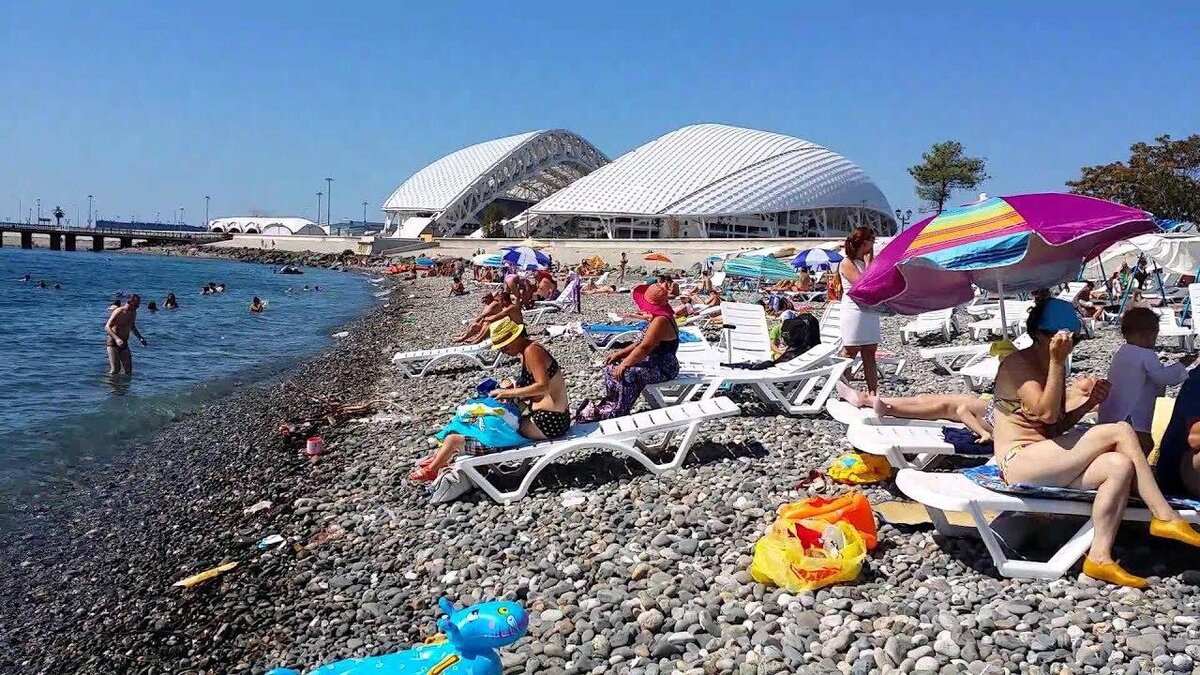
(504, 331)
(652, 299)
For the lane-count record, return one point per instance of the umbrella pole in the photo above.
(1003, 318)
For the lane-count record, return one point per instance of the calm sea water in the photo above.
(58, 406)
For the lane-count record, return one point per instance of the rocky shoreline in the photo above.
(623, 572)
(273, 257)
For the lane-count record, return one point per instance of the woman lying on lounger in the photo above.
(972, 410)
(1037, 444)
(540, 389)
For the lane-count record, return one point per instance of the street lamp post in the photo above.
(364, 217)
(39, 210)
(328, 200)
(903, 217)
(206, 212)
(90, 198)
(158, 217)
(319, 195)
(181, 216)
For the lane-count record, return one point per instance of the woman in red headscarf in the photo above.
(650, 361)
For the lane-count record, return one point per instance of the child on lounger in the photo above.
(1138, 377)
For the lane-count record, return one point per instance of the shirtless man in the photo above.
(491, 305)
(509, 307)
(121, 322)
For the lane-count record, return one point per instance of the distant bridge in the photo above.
(64, 236)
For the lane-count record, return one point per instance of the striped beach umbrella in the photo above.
(1019, 244)
(488, 260)
(525, 258)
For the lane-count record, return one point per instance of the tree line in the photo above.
(1162, 177)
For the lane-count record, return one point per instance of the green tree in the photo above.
(59, 214)
(492, 227)
(1162, 178)
(944, 169)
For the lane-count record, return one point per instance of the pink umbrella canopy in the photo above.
(1003, 244)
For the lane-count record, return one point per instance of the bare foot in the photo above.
(881, 408)
(850, 395)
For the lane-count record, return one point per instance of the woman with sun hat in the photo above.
(540, 389)
(650, 361)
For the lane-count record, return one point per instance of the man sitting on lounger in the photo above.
(509, 309)
(491, 306)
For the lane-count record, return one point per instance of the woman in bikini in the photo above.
(1037, 444)
(540, 389)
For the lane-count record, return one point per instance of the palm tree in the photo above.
(58, 215)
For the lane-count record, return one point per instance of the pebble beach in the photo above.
(622, 571)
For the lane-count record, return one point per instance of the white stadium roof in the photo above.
(526, 167)
(716, 169)
(435, 187)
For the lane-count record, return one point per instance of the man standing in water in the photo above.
(121, 322)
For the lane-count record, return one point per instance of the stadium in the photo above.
(701, 181)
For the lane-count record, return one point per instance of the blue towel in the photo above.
(613, 328)
(492, 431)
(988, 476)
(965, 442)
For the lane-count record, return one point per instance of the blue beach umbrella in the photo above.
(759, 267)
(488, 260)
(525, 258)
(814, 257)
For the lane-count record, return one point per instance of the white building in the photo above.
(267, 225)
(449, 197)
(714, 180)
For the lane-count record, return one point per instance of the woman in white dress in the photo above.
(860, 330)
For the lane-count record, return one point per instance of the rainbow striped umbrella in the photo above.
(1019, 244)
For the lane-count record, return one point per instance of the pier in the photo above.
(65, 237)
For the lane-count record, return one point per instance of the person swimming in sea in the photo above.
(257, 306)
(42, 283)
(170, 302)
(151, 307)
(26, 277)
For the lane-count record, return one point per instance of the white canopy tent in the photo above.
(1174, 254)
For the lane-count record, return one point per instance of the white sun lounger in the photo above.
(928, 323)
(942, 492)
(896, 438)
(800, 386)
(417, 363)
(1015, 314)
(604, 341)
(1168, 327)
(630, 436)
(563, 302)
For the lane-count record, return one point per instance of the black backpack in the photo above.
(800, 334)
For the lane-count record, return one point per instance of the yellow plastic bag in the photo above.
(858, 468)
(832, 554)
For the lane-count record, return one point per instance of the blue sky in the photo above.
(151, 106)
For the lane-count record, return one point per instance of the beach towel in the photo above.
(489, 422)
(965, 442)
(617, 328)
(988, 476)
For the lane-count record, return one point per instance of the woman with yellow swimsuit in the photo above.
(1036, 443)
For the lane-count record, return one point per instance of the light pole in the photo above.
(158, 217)
(206, 212)
(319, 208)
(903, 217)
(181, 217)
(328, 200)
(364, 217)
(39, 207)
(90, 198)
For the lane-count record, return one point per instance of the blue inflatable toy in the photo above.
(473, 636)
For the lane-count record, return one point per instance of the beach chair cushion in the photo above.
(988, 476)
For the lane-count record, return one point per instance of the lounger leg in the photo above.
(1053, 568)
